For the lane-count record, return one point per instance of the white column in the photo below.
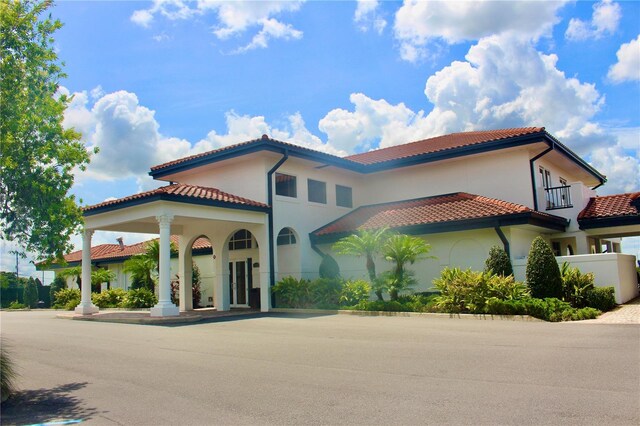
(265, 268)
(86, 307)
(221, 281)
(185, 272)
(165, 308)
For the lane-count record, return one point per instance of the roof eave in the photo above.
(173, 198)
(256, 146)
(606, 222)
(551, 222)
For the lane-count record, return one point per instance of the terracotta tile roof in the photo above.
(183, 191)
(440, 143)
(618, 205)
(104, 252)
(264, 139)
(430, 210)
(96, 252)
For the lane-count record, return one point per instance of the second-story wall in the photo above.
(504, 175)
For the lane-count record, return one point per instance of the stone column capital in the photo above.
(164, 220)
(87, 232)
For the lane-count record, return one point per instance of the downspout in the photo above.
(504, 240)
(533, 173)
(315, 248)
(272, 261)
(597, 186)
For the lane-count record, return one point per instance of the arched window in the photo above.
(286, 237)
(241, 240)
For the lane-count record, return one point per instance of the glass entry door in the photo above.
(239, 279)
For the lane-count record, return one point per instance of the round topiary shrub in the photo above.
(543, 273)
(498, 262)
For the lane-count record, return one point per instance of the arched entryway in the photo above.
(196, 274)
(244, 270)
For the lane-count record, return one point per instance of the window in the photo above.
(286, 185)
(344, 196)
(546, 177)
(317, 191)
(241, 240)
(286, 237)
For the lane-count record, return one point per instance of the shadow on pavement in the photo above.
(242, 317)
(37, 406)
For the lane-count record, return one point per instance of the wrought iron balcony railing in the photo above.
(558, 197)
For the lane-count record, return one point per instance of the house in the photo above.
(113, 257)
(270, 209)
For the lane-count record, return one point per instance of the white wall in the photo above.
(503, 175)
(609, 269)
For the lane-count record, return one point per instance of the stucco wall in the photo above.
(609, 269)
(503, 175)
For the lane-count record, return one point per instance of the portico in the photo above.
(190, 212)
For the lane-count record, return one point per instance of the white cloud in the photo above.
(233, 18)
(503, 83)
(242, 128)
(605, 19)
(628, 66)
(366, 16)
(417, 23)
(622, 170)
(371, 121)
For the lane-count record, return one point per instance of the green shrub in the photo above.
(30, 296)
(601, 298)
(575, 285)
(58, 284)
(354, 291)
(67, 298)
(469, 291)
(112, 298)
(293, 293)
(543, 273)
(412, 303)
(380, 305)
(16, 305)
(8, 373)
(498, 262)
(325, 292)
(495, 306)
(329, 268)
(139, 298)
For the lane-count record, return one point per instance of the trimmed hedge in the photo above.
(543, 274)
(601, 298)
(498, 262)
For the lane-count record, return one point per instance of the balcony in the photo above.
(558, 197)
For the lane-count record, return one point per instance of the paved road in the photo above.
(324, 370)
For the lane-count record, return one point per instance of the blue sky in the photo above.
(154, 81)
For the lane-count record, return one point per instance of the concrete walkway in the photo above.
(143, 317)
(629, 313)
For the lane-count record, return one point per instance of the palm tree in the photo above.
(100, 276)
(365, 243)
(143, 267)
(75, 273)
(403, 249)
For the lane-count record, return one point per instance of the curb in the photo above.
(482, 317)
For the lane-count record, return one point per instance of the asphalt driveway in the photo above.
(339, 369)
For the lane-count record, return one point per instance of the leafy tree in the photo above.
(38, 156)
(31, 294)
(401, 250)
(58, 284)
(368, 244)
(100, 276)
(543, 274)
(498, 262)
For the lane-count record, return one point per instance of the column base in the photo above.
(86, 309)
(165, 309)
